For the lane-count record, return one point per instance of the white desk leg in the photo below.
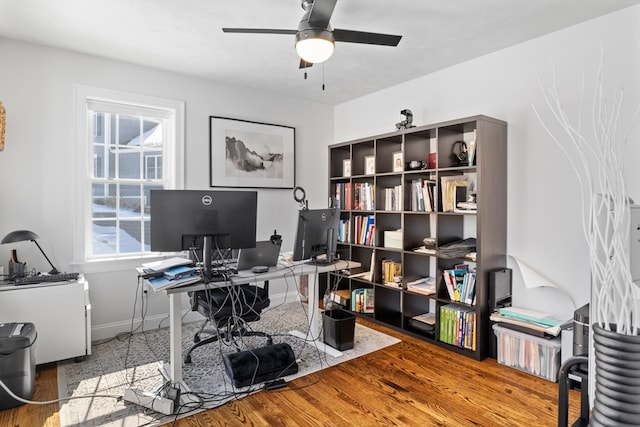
(314, 320)
(175, 337)
(312, 310)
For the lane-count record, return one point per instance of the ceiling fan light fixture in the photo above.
(314, 45)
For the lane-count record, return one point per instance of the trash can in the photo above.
(17, 362)
(338, 328)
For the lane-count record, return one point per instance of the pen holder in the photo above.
(17, 268)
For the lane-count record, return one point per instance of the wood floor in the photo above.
(411, 383)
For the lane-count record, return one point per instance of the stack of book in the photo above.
(425, 323)
(422, 195)
(393, 198)
(458, 326)
(461, 285)
(532, 322)
(364, 229)
(171, 273)
(362, 300)
(390, 271)
(425, 286)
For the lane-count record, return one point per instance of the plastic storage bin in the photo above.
(338, 328)
(17, 362)
(535, 355)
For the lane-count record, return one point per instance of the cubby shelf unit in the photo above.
(396, 305)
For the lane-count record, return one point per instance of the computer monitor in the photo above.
(203, 219)
(317, 235)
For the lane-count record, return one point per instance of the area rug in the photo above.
(133, 361)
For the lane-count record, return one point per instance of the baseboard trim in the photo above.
(109, 330)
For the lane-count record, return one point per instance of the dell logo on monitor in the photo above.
(207, 200)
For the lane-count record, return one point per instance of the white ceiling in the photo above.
(185, 36)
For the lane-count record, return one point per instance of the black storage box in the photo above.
(17, 362)
(338, 327)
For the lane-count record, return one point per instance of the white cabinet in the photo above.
(61, 313)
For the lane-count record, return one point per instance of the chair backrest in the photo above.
(221, 304)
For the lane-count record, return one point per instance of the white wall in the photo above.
(37, 170)
(544, 227)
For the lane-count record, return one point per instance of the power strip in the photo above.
(149, 400)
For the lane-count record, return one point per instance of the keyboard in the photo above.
(45, 278)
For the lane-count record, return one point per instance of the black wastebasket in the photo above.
(17, 362)
(338, 328)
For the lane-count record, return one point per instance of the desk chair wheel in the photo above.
(196, 338)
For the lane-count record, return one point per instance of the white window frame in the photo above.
(173, 162)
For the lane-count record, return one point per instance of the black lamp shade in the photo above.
(19, 236)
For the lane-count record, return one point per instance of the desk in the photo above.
(244, 277)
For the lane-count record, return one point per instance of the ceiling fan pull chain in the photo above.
(323, 76)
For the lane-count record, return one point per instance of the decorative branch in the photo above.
(605, 205)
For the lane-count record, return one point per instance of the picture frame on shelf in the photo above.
(369, 165)
(398, 162)
(346, 167)
(250, 154)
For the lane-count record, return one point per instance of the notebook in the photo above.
(265, 253)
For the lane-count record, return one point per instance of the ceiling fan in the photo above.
(315, 38)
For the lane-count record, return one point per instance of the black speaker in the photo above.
(266, 363)
(499, 296)
(500, 288)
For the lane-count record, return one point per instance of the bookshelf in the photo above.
(411, 216)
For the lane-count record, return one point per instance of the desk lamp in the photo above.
(24, 235)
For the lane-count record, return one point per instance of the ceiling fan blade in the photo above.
(350, 36)
(258, 31)
(304, 64)
(321, 12)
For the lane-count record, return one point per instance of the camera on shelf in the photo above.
(407, 122)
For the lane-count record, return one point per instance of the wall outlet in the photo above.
(152, 401)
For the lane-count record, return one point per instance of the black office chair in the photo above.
(229, 309)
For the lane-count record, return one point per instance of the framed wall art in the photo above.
(250, 154)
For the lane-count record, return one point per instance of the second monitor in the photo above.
(317, 235)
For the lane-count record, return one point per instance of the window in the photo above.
(132, 146)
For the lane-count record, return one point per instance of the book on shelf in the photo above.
(390, 270)
(344, 230)
(341, 297)
(362, 300)
(422, 199)
(364, 196)
(342, 195)
(425, 323)
(424, 250)
(448, 186)
(393, 198)
(458, 326)
(460, 284)
(364, 227)
(357, 272)
(425, 285)
(428, 318)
